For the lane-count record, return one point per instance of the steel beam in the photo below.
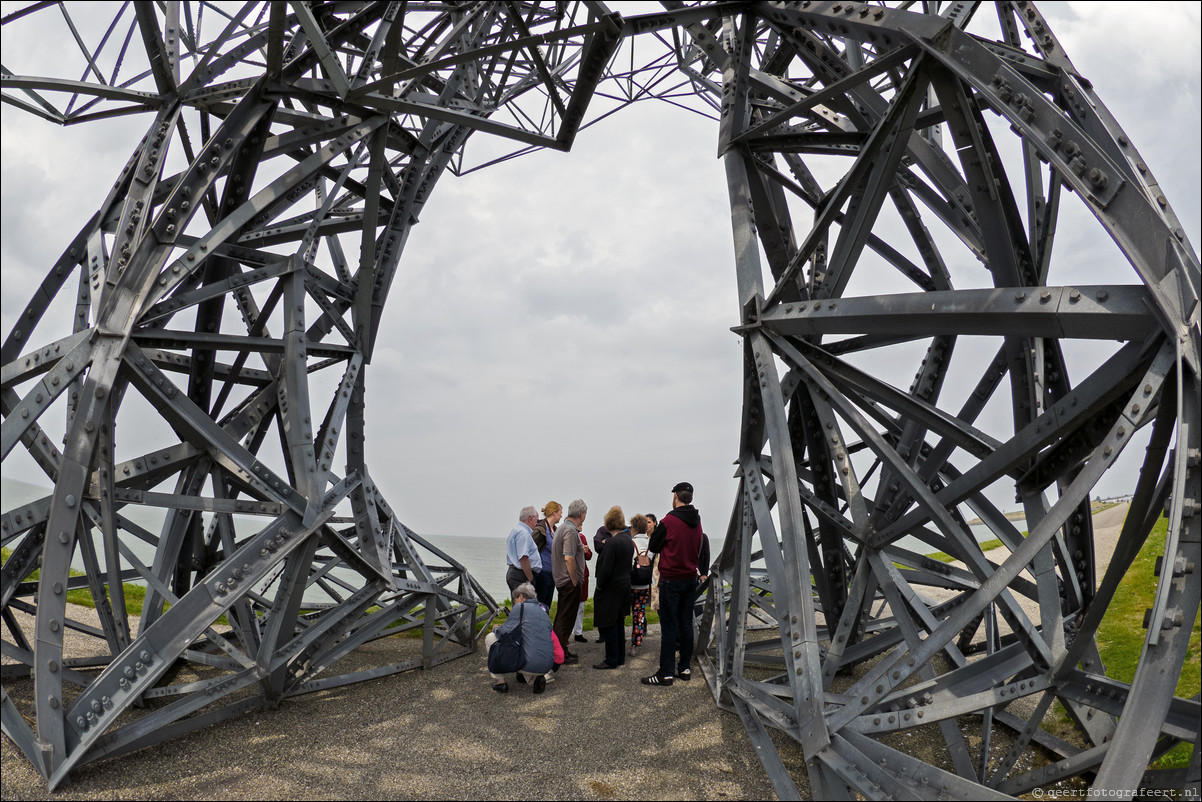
(219, 292)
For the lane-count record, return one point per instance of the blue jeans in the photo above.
(676, 597)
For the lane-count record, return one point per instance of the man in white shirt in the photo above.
(521, 554)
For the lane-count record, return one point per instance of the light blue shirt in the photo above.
(519, 544)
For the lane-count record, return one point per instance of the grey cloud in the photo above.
(559, 325)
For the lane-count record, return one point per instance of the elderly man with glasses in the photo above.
(521, 554)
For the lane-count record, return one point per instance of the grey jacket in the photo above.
(536, 635)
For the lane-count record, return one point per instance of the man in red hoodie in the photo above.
(682, 548)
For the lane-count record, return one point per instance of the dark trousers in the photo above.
(544, 587)
(565, 614)
(615, 643)
(676, 597)
(514, 577)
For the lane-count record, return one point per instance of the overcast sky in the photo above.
(560, 324)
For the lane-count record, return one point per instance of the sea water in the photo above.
(482, 555)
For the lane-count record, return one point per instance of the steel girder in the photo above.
(927, 166)
(930, 165)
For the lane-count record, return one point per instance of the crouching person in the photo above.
(529, 626)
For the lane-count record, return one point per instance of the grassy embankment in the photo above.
(135, 595)
(989, 545)
(1121, 635)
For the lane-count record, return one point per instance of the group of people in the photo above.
(550, 555)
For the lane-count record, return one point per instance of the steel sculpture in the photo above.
(247, 249)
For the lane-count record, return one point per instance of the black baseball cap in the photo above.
(682, 486)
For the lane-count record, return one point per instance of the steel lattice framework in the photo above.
(235, 278)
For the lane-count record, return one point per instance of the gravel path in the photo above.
(444, 734)
(1107, 525)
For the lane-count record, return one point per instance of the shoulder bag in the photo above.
(506, 655)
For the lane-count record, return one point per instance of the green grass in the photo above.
(1121, 634)
(135, 599)
(944, 557)
(652, 615)
(135, 595)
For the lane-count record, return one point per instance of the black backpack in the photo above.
(640, 571)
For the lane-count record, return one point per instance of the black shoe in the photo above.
(599, 640)
(522, 679)
(656, 679)
(580, 639)
(540, 684)
(684, 674)
(501, 687)
(571, 659)
(604, 665)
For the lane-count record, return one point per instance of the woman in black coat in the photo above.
(611, 599)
